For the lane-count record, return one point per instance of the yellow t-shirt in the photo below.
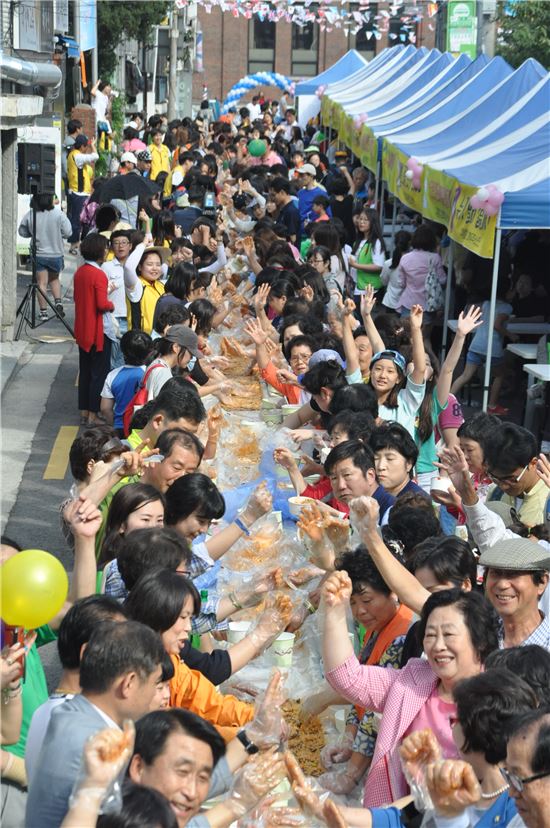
(152, 291)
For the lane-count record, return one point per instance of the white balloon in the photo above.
(483, 194)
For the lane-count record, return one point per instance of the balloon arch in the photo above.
(253, 81)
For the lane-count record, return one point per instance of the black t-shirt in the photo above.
(215, 666)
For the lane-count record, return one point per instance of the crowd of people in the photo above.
(253, 352)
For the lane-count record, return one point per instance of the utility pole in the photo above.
(172, 76)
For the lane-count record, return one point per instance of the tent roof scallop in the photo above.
(350, 63)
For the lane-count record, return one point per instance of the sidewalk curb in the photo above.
(13, 356)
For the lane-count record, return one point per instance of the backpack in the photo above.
(138, 400)
(435, 298)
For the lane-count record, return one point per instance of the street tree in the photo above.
(118, 20)
(523, 31)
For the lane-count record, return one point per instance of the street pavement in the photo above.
(39, 421)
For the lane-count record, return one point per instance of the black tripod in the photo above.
(27, 309)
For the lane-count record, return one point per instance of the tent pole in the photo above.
(491, 321)
(447, 302)
(393, 221)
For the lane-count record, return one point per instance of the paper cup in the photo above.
(237, 630)
(296, 504)
(282, 648)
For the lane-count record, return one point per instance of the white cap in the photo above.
(307, 169)
(128, 156)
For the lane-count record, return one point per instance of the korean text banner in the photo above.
(394, 169)
(469, 227)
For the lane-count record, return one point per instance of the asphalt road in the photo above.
(39, 420)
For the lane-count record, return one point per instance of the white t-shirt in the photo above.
(100, 102)
(157, 378)
(409, 401)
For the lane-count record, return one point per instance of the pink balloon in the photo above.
(475, 203)
(490, 209)
(357, 121)
(491, 187)
(495, 198)
(416, 181)
(411, 162)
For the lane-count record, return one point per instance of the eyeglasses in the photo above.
(509, 478)
(517, 782)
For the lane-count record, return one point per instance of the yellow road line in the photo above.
(59, 457)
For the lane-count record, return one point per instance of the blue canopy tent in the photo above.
(347, 65)
(518, 97)
(308, 104)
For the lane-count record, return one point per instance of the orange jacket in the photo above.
(192, 690)
(291, 392)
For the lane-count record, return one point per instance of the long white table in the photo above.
(532, 328)
(525, 350)
(535, 372)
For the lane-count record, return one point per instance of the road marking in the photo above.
(59, 457)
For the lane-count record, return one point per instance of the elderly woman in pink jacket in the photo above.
(414, 268)
(458, 630)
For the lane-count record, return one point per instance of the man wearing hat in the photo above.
(80, 174)
(144, 161)
(310, 188)
(517, 568)
(516, 577)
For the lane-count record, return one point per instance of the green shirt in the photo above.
(35, 689)
(427, 452)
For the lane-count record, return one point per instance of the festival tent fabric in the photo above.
(308, 103)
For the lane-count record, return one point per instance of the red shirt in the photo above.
(90, 303)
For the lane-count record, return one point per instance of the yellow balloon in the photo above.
(34, 588)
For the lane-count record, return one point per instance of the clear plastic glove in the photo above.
(308, 794)
(315, 704)
(418, 751)
(250, 596)
(268, 726)
(339, 782)
(106, 755)
(364, 515)
(258, 777)
(259, 504)
(453, 786)
(270, 815)
(272, 621)
(340, 752)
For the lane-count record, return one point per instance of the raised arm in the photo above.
(368, 302)
(259, 337)
(417, 342)
(466, 324)
(364, 516)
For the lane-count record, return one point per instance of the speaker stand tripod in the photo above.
(27, 308)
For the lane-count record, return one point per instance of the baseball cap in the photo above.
(80, 141)
(308, 169)
(324, 355)
(394, 356)
(128, 156)
(519, 555)
(184, 336)
(312, 148)
(144, 155)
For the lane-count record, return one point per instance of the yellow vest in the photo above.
(80, 180)
(152, 291)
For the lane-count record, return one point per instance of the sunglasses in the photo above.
(517, 782)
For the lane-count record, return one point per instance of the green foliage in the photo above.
(118, 108)
(119, 20)
(102, 164)
(525, 33)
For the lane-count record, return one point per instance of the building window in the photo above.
(305, 49)
(398, 33)
(261, 45)
(364, 40)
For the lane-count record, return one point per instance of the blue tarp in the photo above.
(350, 63)
(529, 207)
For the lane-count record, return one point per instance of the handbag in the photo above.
(435, 298)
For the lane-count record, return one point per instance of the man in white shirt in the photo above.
(118, 292)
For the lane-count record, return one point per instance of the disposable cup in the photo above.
(282, 648)
(237, 631)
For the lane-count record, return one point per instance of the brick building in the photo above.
(234, 47)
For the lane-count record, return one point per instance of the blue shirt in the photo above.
(120, 385)
(305, 202)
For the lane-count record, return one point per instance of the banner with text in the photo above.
(394, 169)
(469, 227)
